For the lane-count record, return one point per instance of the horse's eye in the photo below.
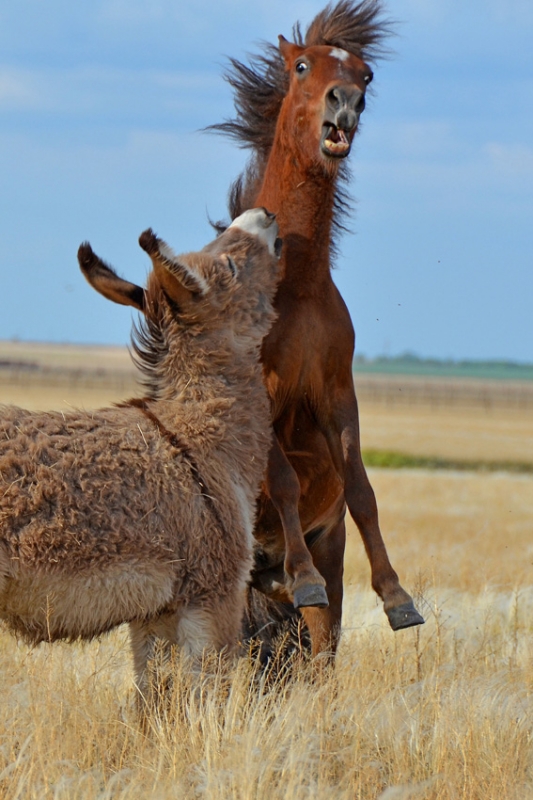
(301, 67)
(368, 78)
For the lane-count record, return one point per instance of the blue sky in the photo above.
(100, 108)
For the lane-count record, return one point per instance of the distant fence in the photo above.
(405, 390)
(388, 390)
(27, 375)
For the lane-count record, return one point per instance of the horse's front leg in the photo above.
(344, 442)
(304, 581)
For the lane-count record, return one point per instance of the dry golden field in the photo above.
(444, 711)
(500, 434)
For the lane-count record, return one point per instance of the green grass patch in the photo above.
(390, 459)
(410, 364)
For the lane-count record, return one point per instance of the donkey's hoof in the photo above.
(311, 594)
(404, 616)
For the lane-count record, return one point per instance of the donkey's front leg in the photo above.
(283, 487)
(151, 645)
(142, 640)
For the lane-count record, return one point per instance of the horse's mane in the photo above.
(261, 85)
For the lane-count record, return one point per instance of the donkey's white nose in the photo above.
(259, 222)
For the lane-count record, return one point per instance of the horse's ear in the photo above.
(106, 281)
(289, 51)
(179, 282)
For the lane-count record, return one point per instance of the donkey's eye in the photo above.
(301, 67)
(232, 266)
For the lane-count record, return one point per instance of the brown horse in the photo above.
(298, 108)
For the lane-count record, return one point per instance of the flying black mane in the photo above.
(261, 85)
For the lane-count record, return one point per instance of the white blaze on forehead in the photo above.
(342, 55)
(257, 222)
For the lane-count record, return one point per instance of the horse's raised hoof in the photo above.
(404, 616)
(310, 595)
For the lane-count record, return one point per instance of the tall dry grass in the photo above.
(497, 434)
(443, 711)
(41, 397)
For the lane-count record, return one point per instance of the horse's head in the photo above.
(325, 99)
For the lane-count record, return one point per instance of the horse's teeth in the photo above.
(337, 146)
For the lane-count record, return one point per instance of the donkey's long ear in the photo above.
(106, 281)
(180, 283)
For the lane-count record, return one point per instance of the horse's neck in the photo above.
(302, 197)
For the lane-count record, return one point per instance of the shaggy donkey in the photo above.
(143, 513)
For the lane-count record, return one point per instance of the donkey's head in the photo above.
(223, 293)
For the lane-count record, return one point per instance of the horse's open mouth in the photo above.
(335, 141)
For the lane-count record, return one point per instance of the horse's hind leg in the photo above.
(398, 605)
(345, 447)
(283, 487)
(324, 624)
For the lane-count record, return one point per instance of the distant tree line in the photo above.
(411, 364)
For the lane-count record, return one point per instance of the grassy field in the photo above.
(41, 376)
(469, 433)
(441, 712)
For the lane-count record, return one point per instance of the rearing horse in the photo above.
(298, 108)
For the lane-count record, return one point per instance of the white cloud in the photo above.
(18, 89)
(513, 162)
(108, 91)
(419, 139)
(508, 12)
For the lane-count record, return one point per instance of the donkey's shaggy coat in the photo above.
(144, 513)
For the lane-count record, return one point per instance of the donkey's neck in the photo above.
(226, 414)
(204, 371)
(302, 197)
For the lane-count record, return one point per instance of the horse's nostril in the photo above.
(346, 120)
(334, 99)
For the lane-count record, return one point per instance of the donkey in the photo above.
(143, 513)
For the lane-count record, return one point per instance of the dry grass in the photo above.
(67, 356)
(500, 434)
(444, 711)
(463, 532)
(40, 397)
(64, 376)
